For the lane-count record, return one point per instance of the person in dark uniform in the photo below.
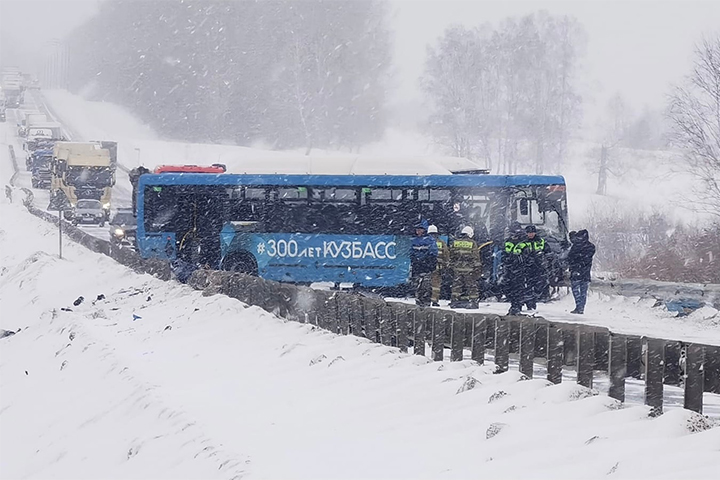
(580, 261)
(536, 267)
(443, 265)
(514, 261)
(423, 260)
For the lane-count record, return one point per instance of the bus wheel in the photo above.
(241, 263)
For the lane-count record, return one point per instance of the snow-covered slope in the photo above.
(153, 380)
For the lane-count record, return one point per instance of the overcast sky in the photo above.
(636, 47)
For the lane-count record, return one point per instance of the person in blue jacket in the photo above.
(423, 260)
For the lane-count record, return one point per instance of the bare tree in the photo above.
(506, 95)
(694, 113)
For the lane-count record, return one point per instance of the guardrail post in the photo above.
(513, 334)
(457, 335)
(438, 335)
(343, 313)
(712, 369)
(468, 330)
(569, 334)
(694, 377)
(357, 316)
(617, 365)
(478, 329)
(373, 315)
(386, 325)
(602, 347)
(320, 308)
(585, 355)
(405, 316)
(502, 347)
(490, 322)
(527, 346)
(654, 363)
(672, 374)
(634, 357)
(554, 353)
(419, 334)
(541, 333)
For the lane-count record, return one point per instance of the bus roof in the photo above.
(353, 180)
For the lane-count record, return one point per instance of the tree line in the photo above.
(507, 95)
(288, 74)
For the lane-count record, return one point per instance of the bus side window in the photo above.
(524, 209)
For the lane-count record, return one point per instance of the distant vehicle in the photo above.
(123, 228)
(39, 163)
(43, 131)
(12, 86)
(87, 211)
(214, 168)
(2, 113)
(30, 119)
(83, 170)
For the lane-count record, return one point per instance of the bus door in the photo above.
(208, 210)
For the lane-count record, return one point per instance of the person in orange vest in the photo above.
(443, 265)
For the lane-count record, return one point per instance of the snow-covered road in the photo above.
(150, 379)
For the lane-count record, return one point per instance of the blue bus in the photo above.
(335, 228)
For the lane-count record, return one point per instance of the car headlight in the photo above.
(119, 232)
(106, 206)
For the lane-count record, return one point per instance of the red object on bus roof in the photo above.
(214, 168)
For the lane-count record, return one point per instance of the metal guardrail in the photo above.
(695, 367)
(665, 291)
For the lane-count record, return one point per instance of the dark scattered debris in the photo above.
(65, 309)
(6, 333)
(493, 430)
(79, 300)
(169, 327)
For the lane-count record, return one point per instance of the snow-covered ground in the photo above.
(153, 380)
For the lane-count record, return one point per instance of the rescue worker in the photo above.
(514, 261)
(580, 260)
(423, 260)
(536, 268)
(443, 265)
(466, 267)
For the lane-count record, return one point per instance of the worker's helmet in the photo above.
(432, 229)
(468, 230)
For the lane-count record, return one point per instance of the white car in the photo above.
(88, 211)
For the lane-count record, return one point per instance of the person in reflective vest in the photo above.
(536, 266)
(423, 260)
(514, 271)
(466, 267)
(443, 265)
